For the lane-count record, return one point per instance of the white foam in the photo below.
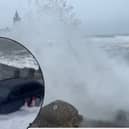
(76, 69)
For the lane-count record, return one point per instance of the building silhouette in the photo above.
(16, 17)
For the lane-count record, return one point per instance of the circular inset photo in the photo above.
(21, 85)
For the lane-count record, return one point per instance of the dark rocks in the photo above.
(63, 114)
(58, 114)
(121, 119)
(122, 116)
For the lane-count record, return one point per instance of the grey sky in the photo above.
(103, 16)
(8, 8)
(98, 16)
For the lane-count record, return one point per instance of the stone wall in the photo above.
(7, 72)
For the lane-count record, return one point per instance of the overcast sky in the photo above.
(103, 16)
(98, 16)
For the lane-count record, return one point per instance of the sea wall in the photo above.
(7, 72)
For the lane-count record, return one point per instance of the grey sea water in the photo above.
(14, 54)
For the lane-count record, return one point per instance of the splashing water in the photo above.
(76, 69)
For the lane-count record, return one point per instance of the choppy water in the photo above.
(14, 54)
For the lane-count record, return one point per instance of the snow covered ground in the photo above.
(20, 119)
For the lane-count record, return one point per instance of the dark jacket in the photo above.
(13, 93)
